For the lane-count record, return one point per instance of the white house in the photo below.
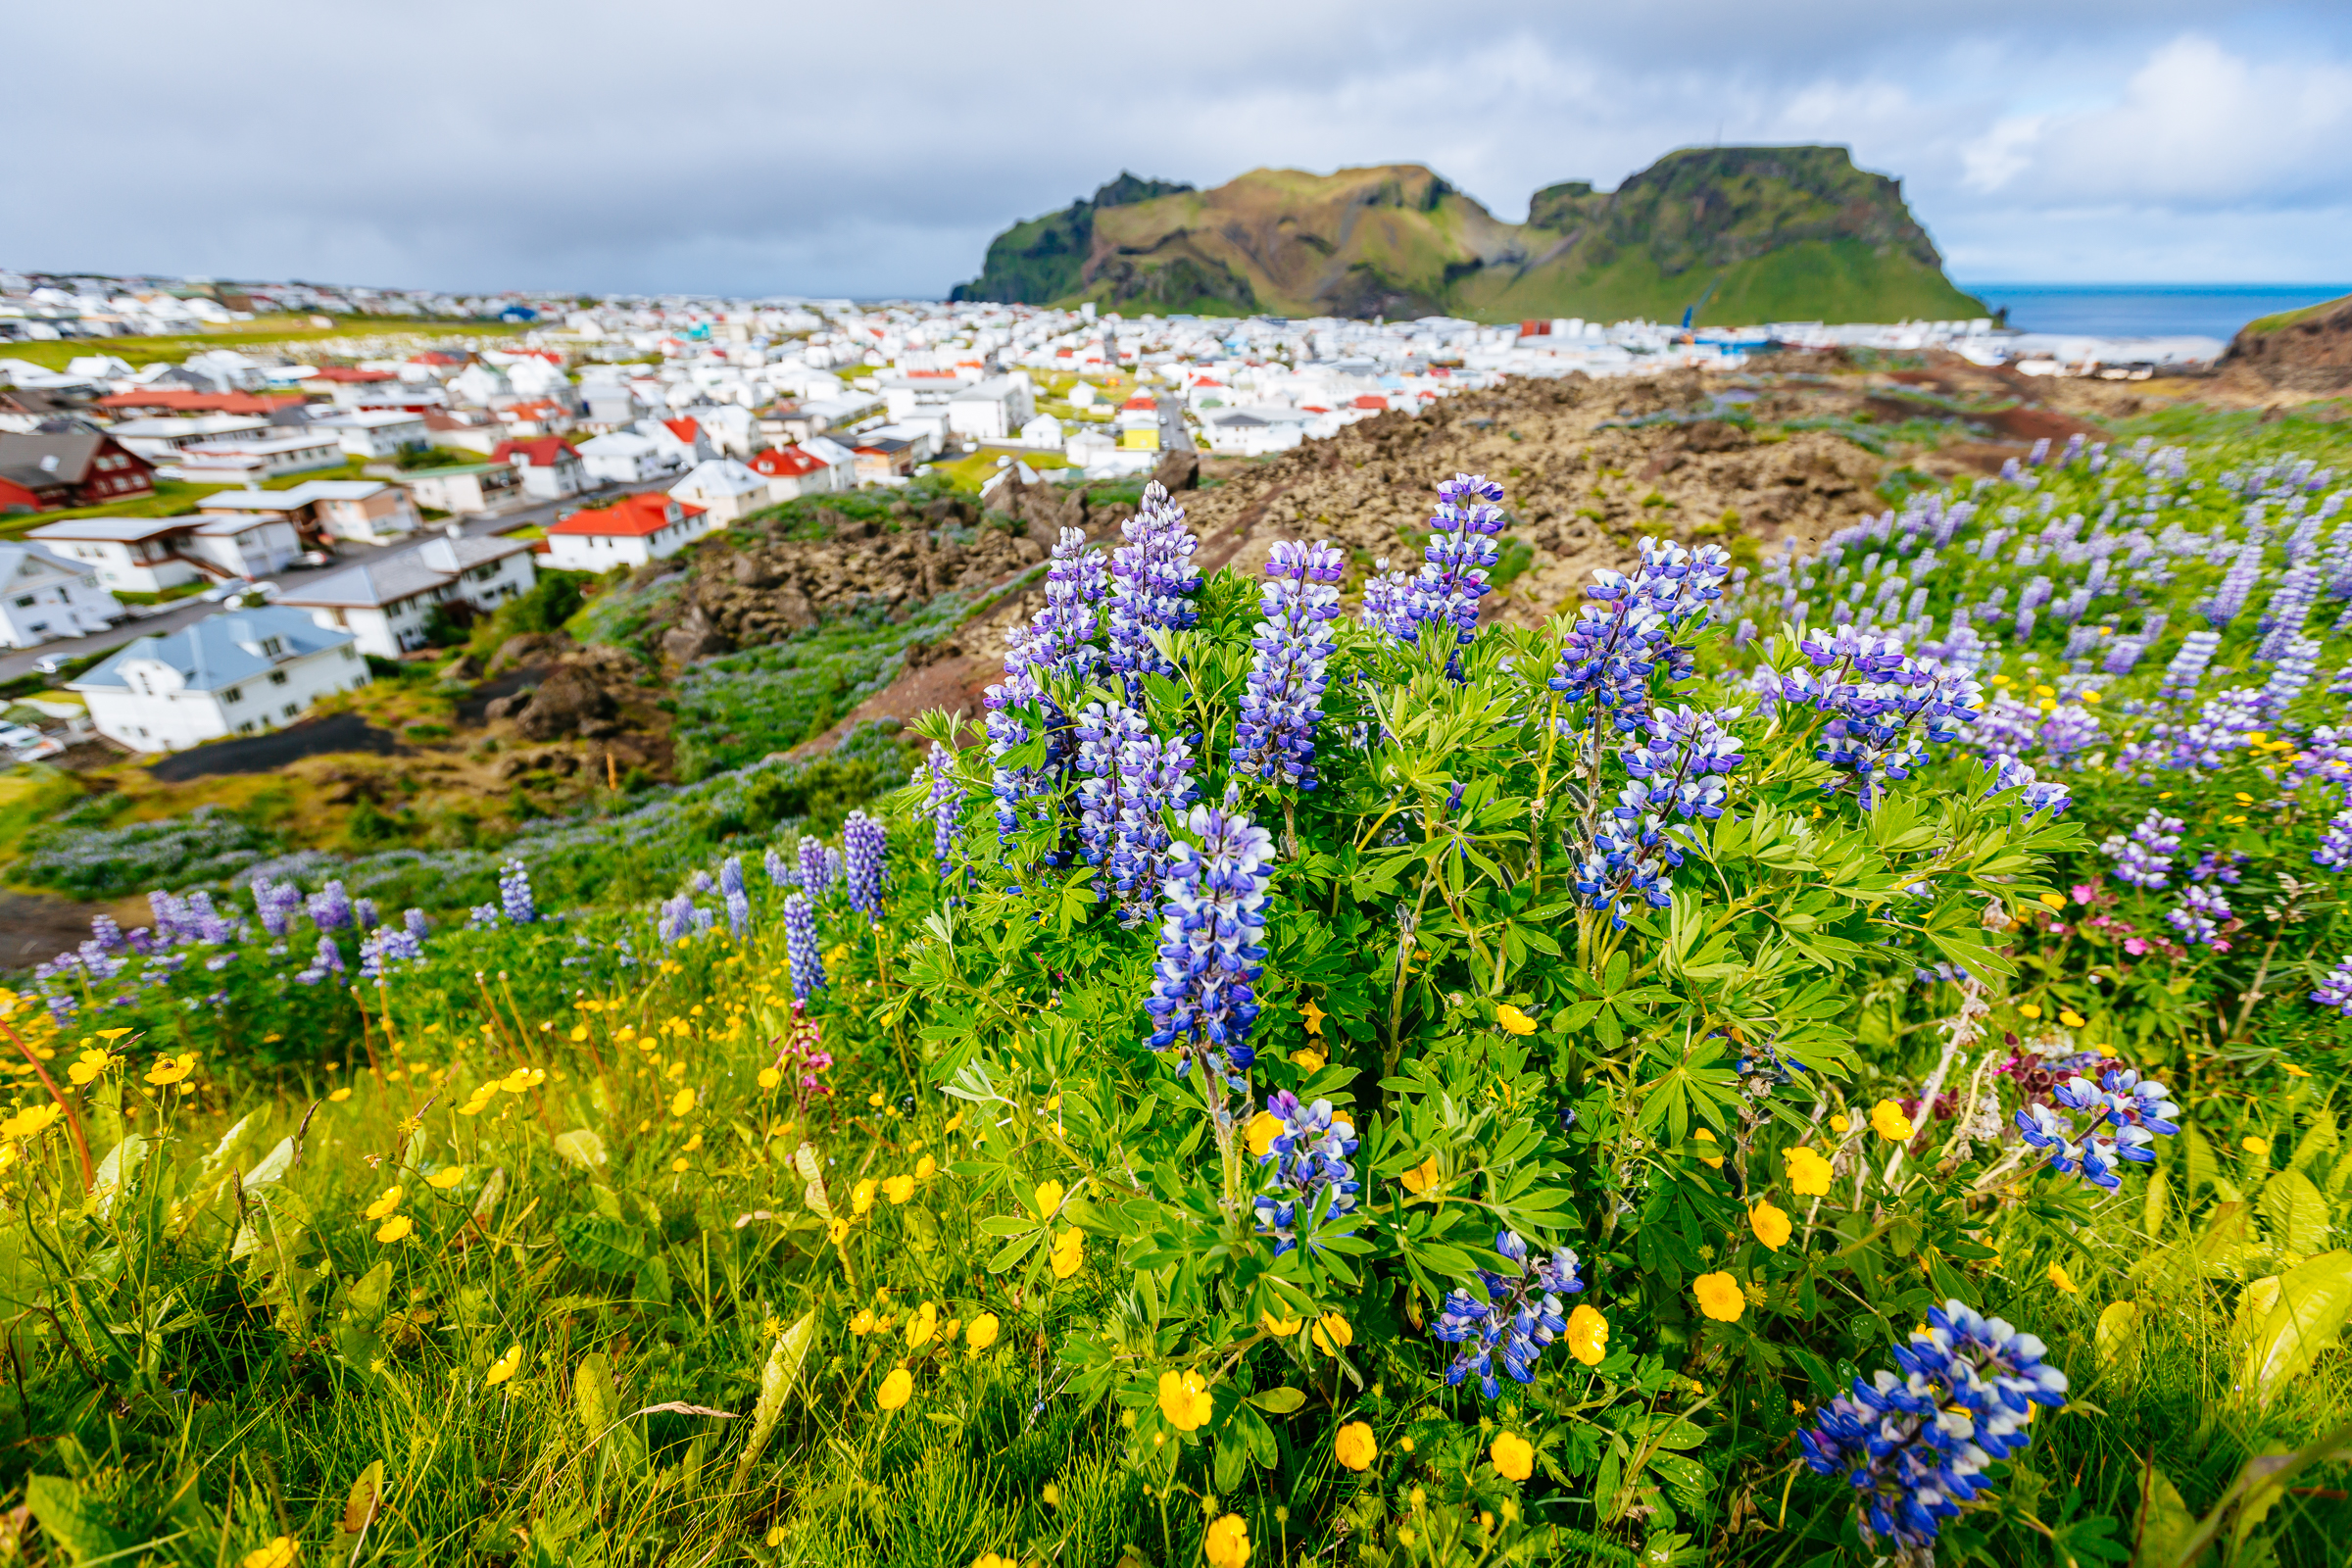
(1255, 431)
(624, 457)
(991, 409)
(730, 427)
(376, 432)
(163, 438)
(228, 675)
(628, 533)
(723, 488)
(250, 459)
(365, 510)
(44, 596)
(252, 544)
(548, 468)
(385, 602)
(128, 554)
(467, 487)
(482, 384)
(683, 439)
(792, 471)
(1044, 430)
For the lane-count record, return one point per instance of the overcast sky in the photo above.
(758, 148)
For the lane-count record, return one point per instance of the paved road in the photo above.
(16, 662)
(1172, 436)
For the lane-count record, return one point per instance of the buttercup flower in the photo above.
(2059, 1277)
(1513, 1021)
(1720, 1296)
(1514, 1456)
(1888, 1120)
(1354, 1446)
(278, 1553)
(386, 1204)
(448, 1176)
(504, 1367)
(171, 1069)
(1333, 1334)
(1227, 1543)
(862, 1196)
(1808, 1173)
(1069, 1252)
(897, 1189)
(1588, 1334)
(1185, 1400)
(1049, 1200)
(981, 1334)
(1770, 1224)
(896, 1389)
(921, 1324)
(1704, 1136)
(395, 1229)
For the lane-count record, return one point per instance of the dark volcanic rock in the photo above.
(568, 702)
(2301, 350)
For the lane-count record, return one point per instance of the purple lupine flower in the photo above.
(867, 848)
(800, 947)
(779, 872)
(702, 883)
(1460, 550)
(2298, 662)
(2040, 794)
(363, 915)
(1912, 1448)
(327, 960)
(1274, 731)
(419, 926)
(2335, 844)
(1522, 1312)
(816, 869)
(1158, 780)
(1055, 646)
(2335, 990)
(1387, 606)
(739, 903)
(702, 918)
(276, 902)
(106, 931)
(2144, 860)
(1626, 633)
(515, 894)
(1150, 576)
(2236, 585)
(1310, 1182)
(2187, 668)
(1679, 761)
(2198, 915)
(385, 946)
(677, 921)
(943, 802)
(330, 908)
(1202, 1000)
(2282, 618)
(1103, 732)
(482, 918)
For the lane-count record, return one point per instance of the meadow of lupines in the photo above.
(1820, 1058)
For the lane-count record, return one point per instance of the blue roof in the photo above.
(220, 650)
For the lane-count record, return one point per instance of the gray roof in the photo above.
(219, 650)
(122, 531)
(388, 582)
(72, 448)
(16, 556)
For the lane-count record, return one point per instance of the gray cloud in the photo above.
(740, 147)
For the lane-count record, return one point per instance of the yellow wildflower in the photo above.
(1282, 1328)
(171, 1069)
(1888, 1120)
(1513, 1021)
(88, 1066)
(1705, 1136)
(1422, 1177)
(1333, 1334)
(1313, 1017)
(1720, 1296)
(921, 1324)
(1069, 1251)
(1227, 1543)
(2028, 1009)
(1838, 1122)
(1354, 1446)
(395, 1229)
(504, 1367)
(1808, 1172)
(681, 1103)
(863, 1323)
(442, 1180)
(1049, 1199)
(1770, 1224)
(1514, 1457)
(982, 1334)
(897, 1388)
(2056, 901)
(862, 1197)
(279, 1553)
(770, 1077)
(386, 1203)
(2059, 1277)
(1308, 1060)
(2070, 1018)
(925, 1168)
(1588, 1334)
(1185, 1400)
(1264, 1128)
(897, 1189)
(337, 1097)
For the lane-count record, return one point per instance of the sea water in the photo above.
(2148, 310)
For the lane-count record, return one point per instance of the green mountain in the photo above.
(1743, 234)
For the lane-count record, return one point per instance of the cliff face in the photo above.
(1042, 261)
(1741, 233)
(2301, 350)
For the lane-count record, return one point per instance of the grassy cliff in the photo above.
(1739, 234)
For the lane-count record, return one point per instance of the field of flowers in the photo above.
(1803, 1059)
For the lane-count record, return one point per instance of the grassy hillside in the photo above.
(1741, 233)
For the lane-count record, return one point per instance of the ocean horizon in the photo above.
(2149, 309)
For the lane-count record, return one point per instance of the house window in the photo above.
(277, 677)
(272, 647)
(25, 602)
(292, 709)
(232, 695)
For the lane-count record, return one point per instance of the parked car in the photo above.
(43, 746)
(16, 736)
(313, 557)
(49, 663)
(220, 591)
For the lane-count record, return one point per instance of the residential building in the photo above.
(1044, 430)
(92, 464)
(43, 597)
(1253, 432)
(992, 409)
(625, 457)
(883, 460)
(723, 488)
(467, 431)
(385, 602)
(163, 438)
(610, 406)
(682, 440)
(366, 511)
(250, 544)
(127, 555)
(371, 434)
(252, 459)
(229, 674)
(465, 488)
(535, 417)
(629, 532)
(548, 466)
(792, 471)
(164, 400)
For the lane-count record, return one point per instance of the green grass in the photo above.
(279, 332)
(2263, 326)
(969, 473)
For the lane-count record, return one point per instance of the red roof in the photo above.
(634, 518)
(187, 400)
(1140, 405)
(436, 357)
(684, 429)
(785, 461)
(1312, 408)
(544, 453)
(536, 409)
(1369, 401)
(344, 374)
